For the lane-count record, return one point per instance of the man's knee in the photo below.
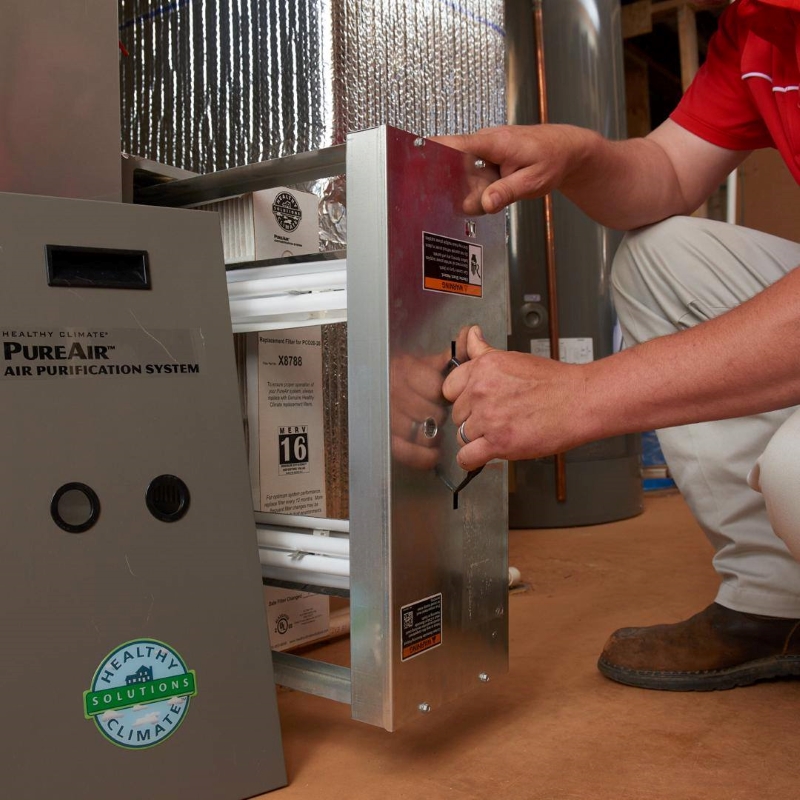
(646, 277)
(646, 254)
(778, 479)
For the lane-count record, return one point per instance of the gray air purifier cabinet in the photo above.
(135, 659)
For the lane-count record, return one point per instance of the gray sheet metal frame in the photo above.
(407, 540)
(286, 171)
(368, 366)
(312, 677)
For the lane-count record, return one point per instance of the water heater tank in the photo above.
(585, 87)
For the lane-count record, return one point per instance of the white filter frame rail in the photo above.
(278, 539)
(295, 295)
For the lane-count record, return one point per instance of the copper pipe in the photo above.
(549, 235)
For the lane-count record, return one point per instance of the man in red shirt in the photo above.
(710, 315)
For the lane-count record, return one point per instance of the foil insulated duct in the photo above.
(208, 85)
(334, 388)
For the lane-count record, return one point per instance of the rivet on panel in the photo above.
(419, 142)
(430, 428)
(480, 163)
(424, 708)
(483, 677)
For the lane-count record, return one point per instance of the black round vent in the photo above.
(167, 498)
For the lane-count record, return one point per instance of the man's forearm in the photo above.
(519, 406)
(625, 184)
(744, 362)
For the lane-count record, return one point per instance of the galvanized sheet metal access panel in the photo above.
(428, 581)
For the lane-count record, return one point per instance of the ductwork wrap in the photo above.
(212, 84)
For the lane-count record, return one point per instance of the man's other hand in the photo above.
(514, 405)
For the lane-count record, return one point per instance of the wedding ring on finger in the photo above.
(462, 433)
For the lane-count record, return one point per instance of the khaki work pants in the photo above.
(674, 275)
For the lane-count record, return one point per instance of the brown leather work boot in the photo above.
(715, 649)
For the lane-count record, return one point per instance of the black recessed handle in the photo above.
(97, 267)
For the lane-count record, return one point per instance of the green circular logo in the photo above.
(140, 694)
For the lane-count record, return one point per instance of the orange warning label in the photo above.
(453, 286)
(421, 646)
(421, 626)
(452, 265)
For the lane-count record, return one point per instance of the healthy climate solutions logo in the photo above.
(286, 211)
(140, 694)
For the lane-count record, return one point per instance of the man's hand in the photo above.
(515, 405)
(417, 396)
(622, 185)
(533, 159)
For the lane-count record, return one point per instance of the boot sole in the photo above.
(764, 669)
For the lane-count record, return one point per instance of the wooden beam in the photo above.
(665, 6)
(637, 95)
(687, 41)
(637, 18)
(690, 59)
(652, 64)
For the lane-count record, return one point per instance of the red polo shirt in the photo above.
(747, 93)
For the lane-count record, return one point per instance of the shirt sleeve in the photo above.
(718, 106)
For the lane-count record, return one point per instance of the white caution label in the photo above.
(571, 351)
(451, 265)
(291, 422)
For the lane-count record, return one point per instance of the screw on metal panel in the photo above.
(499, 611)
(494, 634)
(424, 708)
(480, 163)
(430, 428)
(483, 677)
(419, 142)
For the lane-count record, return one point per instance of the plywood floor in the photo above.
(554, 728)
